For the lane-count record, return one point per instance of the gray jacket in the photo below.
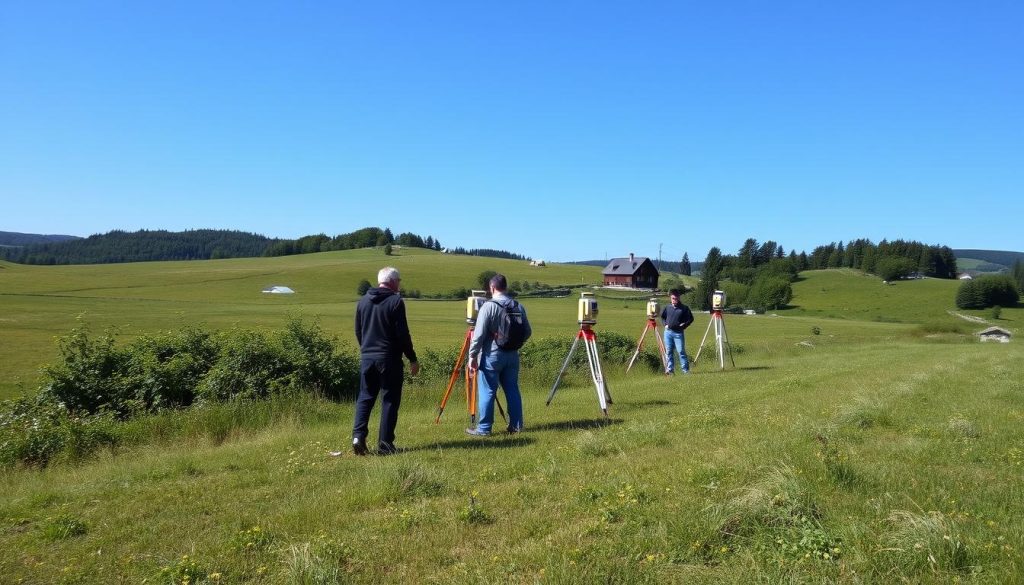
(487, 322)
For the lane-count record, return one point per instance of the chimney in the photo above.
(630, 257)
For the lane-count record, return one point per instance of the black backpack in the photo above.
(511, 333)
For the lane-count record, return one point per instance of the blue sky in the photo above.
(559, 130)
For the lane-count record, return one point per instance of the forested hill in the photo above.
(20, 239)
(142, 246)
(994, 256)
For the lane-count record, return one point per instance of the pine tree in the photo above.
(684, 266)
(708, 279)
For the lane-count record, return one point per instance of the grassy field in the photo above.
(863, 437)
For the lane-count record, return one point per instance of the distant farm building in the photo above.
(965, 276)
(537, 263)
(278, 290)
(632, 272)
(995, 334)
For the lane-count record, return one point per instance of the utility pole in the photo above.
(661, 267)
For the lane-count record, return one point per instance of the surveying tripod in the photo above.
(589, 338)
(652, 324)
(721, 339)
(471, 382)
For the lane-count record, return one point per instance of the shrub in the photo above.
(164, 370)
(250, 365)
(34, 431)
(315, 365)
(89, 376)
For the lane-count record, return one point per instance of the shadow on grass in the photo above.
(644, 403)
(568, 425)
(493, 442)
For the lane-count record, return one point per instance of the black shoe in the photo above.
(386, 449)
(359, 446)
(514, 430)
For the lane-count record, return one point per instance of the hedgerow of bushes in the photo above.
(95, 383)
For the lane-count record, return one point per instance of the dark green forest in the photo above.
(142, 246)
(154, 245)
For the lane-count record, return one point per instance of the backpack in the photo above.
(511, 333)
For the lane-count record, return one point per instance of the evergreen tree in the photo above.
(708, 279)
(1018, 274)
(684, 266)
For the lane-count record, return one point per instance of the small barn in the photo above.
(278, 290)
(995, 334)
(631, 272)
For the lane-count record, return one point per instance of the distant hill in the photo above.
(1002, 259)
(141, 246)
(20, 239)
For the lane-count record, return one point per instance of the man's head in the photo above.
(498, 283)
(673, 295)
(388, 277)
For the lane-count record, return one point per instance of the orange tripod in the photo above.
(471, 382)
(652, 324)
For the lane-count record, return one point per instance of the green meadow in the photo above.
(863, 436)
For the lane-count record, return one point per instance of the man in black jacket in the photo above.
(676, 318)
(382, 331)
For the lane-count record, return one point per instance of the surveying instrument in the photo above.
(721, 339)
(476, 299)
(652, 325)
(587, 318)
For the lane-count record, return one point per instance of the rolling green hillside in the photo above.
(39, 303)
(850, 443)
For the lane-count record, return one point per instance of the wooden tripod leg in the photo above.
(455, 375)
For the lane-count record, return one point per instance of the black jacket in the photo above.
(676, 318)
(381, 327)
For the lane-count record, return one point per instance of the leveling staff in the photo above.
(676, 318)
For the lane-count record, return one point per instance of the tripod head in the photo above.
(652, 308)
(718, 300)
(474, 301)
(586, 313)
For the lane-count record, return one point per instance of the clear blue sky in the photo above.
(559, 130)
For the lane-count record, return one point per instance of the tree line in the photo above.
(758, 276)
(155, 245)
(142, 246)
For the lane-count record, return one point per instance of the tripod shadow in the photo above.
(493, 442)
(755, 368)
(644, 403)
(567, 425)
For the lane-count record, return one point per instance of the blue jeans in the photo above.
(674, 342)
(499, 367)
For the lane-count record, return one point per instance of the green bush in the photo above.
(315, 363)
(35, 431)
(164, 370)
(89, 377)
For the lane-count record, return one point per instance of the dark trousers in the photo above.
(384, 377)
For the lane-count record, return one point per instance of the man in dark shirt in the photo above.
(382, 331)
(676, 318)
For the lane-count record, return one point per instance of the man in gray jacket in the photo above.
(501, 329)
